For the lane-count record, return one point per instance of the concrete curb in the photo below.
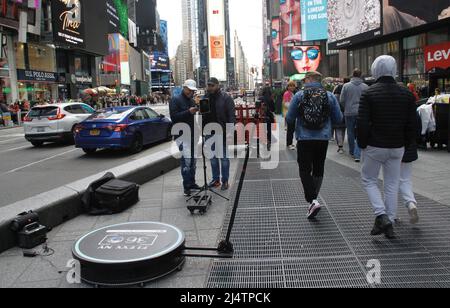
(64, 203)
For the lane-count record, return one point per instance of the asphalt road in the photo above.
(26, 171)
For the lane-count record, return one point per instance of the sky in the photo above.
(245, 17)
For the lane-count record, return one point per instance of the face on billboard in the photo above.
(276, 40)
(350, 18)
(400, 15)
(290, 20)
(306, 58)
(301, 59)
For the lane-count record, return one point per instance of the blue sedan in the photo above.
(122, 128)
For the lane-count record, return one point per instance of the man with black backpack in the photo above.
(315, 110)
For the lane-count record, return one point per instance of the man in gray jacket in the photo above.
(350, 98)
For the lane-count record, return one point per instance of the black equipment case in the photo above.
(32, 235)
(116, 196)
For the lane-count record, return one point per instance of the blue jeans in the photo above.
(188, 167)
(220, 163)
(351, 131)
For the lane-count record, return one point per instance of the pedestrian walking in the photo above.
(287, 99)
(386, 125)
(350, 98)
(340, 129)
(315, 110)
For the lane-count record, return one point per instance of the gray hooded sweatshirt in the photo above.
(351, 95)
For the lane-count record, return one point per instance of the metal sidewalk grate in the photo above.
(276, 246)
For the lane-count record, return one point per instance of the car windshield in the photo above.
(109, 114)
(43, 112)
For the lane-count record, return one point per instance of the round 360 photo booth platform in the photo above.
(130, 253)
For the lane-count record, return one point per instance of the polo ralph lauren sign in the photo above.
(29, 75)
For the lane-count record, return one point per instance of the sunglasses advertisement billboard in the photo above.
(299, 60)
(399, 15)
(276, 40)
(353, 21)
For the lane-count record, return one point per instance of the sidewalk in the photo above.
(275, 245)
(162, 200)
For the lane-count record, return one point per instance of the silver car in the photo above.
(54, 123)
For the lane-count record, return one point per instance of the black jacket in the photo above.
(387, 116)
(225, 108)
(179, 111)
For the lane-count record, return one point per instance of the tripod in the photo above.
(202, 198)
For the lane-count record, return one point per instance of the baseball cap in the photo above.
(190, 84)
(213, 81)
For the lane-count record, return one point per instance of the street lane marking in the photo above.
(13, 149)
(38, 162)
(12, 135)
(9, 140)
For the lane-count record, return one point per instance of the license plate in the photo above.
(95, 132)
(41, 129)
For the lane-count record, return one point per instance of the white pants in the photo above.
(406, 186)
(390, 160)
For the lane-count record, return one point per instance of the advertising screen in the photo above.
(159, 62)
(276, 40)
(118, 16)
(290, 25)
(314, 20)
(216, 31)
(164, 36)
(353, 21)
(111, 62)
(399, 15)
(124, 61)
(68, 22)
(300, 59)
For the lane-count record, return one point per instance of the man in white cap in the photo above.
(183, 110)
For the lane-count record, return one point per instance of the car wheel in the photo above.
(71, 137)
(137, 145)
(37, 144)
(89, 151)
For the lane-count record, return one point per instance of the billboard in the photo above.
(159, 62)
(124, 61)
(301, 59)
(437, 56)
(68, 22)
(399, 15)
(314, 19)
(290, 25)
(352, 21)
(276, 40)
(164, 36)
(111, 62)
(117, 11)
(216, 32)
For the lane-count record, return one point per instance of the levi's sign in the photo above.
(437, 56)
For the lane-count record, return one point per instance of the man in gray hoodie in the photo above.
(350, 97)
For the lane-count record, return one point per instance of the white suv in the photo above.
(48, 123)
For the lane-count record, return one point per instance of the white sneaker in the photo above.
(314, 209)
(413, 214)
(292, 147)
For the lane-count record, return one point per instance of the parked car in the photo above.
(50, 123)
(122, 128)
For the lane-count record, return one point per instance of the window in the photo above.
(88, 109)
(152, 114)
(139, 115)
(438, 36)
(32, 17)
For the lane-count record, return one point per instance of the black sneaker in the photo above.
(187, 193)
(389, 232)
(382, 223)
(225, 186)
(195, 187)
